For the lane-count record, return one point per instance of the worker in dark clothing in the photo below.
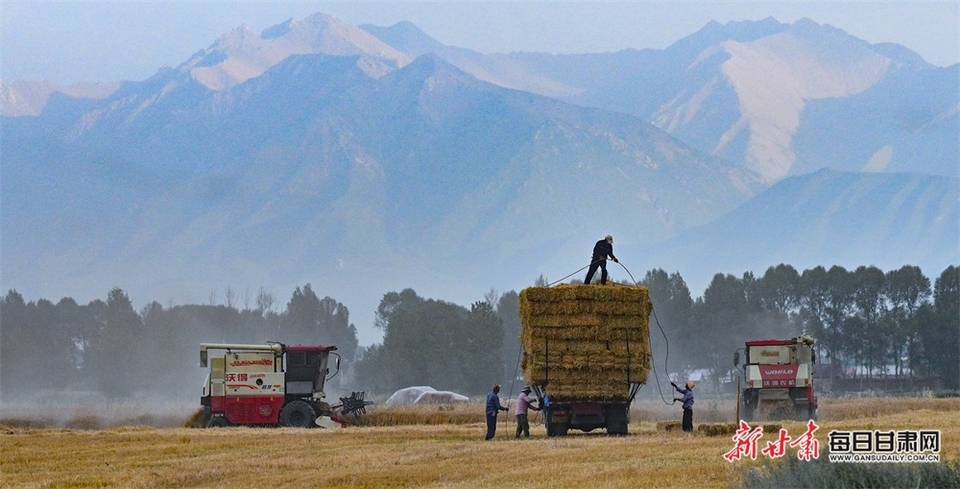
(687, 401)
(493, 408)
(601, 251)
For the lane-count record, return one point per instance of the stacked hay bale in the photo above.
(585, 341)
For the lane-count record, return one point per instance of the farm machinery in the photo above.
(778, 378)
(272, 384)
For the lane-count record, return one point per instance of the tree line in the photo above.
(863, 319)
(866, 322)
(109, 348)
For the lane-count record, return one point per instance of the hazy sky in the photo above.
(71, 41)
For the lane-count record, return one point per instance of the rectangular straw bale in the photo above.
(586, 332)
(585, 341)
(586, 306)
(588, 374)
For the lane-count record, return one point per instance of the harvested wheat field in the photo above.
(443, 450)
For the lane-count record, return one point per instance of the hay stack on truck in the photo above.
(586, 348)
(778, 373)
(272, 384)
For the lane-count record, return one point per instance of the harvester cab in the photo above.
(272, 384)
(778, 378)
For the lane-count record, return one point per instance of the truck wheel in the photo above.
(298, 414)
(218, 422)
(556, 429)
(616, 421)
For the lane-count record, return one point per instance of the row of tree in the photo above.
(110, 348)
(866, 322)
(863, 318)
(436, 343)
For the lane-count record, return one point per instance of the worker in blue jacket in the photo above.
(493, 408)
(687, 401)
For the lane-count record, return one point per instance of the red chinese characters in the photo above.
(747, 440)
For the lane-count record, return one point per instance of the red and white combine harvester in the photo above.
(272, 384)
(778, 379)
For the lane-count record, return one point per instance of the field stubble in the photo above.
(426, 446)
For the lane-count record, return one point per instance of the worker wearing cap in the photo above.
(601, 251)
(523, 404)
(687, 401)
(493, 408)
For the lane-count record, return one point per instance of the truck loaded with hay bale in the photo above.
(585, 352)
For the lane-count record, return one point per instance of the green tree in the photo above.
(779, 290)
(907, 289)
(115, 356)
(840, 305)
(940, 328)
(311, 320)
(437, 343)
(372, 374)
(17, 344)
(867, 341)
(722, 317)
(671, 321)
(480, 342)
(813, 296)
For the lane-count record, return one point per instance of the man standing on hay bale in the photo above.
(493, 408)
(523, 404)
(601, 251)
(687, 400)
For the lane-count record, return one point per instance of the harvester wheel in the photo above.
(748, 404)
(749, 410)
(218, 422)
(298, 414)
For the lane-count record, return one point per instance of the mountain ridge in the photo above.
(420, 173)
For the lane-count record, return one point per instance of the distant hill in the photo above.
(368, 160)
(781, 99)
(317, 172)
(825, 218)
(24, 98)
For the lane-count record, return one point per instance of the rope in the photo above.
(551, 284)
(665, 357)
(514, 381)
(665, 340)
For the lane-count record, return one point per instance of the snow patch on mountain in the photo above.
(774, 77)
